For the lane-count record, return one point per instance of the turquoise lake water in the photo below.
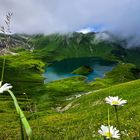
(63, 69)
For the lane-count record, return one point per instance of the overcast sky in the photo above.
(49, 16)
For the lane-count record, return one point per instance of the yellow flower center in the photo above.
(108, 134)
(115, 103)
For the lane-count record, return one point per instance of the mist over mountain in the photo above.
(119, 17)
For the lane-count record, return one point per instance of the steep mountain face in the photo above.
(72, 45)
(8, 42)
(57, 47)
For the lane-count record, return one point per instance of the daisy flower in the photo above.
(115, 101)
(109, 132)
(5, 87)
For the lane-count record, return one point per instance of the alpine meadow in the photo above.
(66, 76)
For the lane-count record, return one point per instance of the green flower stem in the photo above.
(2, 73)
(24, 123)
(117, 119)
(109, 121)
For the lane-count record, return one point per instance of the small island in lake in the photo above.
(83, 70)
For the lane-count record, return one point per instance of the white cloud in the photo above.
(102, 36)
(49, 16)
(85, 30)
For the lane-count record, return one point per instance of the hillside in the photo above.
(84, 115)
(57, 47)
(81, 117)
(69, 108)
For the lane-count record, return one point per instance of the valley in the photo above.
(69, 108)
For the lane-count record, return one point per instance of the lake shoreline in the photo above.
(63, 69)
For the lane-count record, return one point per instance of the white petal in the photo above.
(116, 136)
(101, 132)
(5, 87)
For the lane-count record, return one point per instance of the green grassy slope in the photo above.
(78, 118)
(85, 114)
(24, 72)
